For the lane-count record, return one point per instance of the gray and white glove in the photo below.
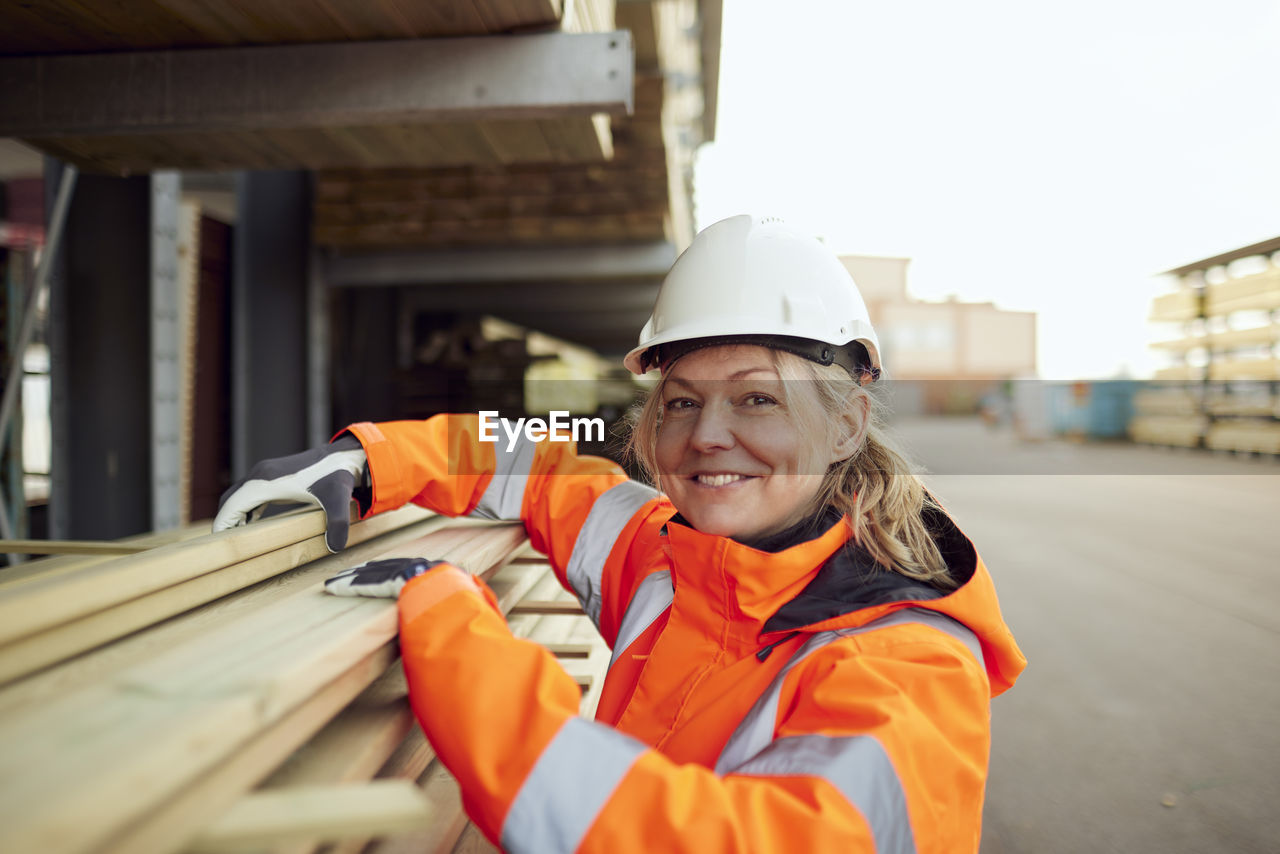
(379, 578)
(326, 476)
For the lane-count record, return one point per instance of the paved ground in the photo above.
(1148, 605)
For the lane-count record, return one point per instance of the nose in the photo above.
(712, 431)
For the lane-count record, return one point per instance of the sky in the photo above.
(1046, 157)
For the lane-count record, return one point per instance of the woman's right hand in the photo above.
(324, 476)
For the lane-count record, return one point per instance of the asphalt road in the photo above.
(1147, 601)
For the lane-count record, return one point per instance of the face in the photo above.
(730, 454)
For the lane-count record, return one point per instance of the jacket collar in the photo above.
(809, 576)
(745, 585)
(852, 581)
(822, 586)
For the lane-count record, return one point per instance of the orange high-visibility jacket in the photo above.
(794, 699)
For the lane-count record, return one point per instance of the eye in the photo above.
(679, 404)
(756, 399)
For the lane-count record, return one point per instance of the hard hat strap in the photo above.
(853, 356)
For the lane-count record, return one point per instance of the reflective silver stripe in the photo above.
(608, 516)
(651, 599)
(501, 500)
(756, 730)
(858, 766)
(568, 786)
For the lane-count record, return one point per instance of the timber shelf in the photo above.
(1222, 390)
(207, 695)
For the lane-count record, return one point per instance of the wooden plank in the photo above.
(188, 312)
(442, 790)
(173, 823)
(271, 816)
(40, 649)
(579, 141)
(45, 687)
(38, 603)
(62, 563)
(414, 756)
(545, 230)
(68, 547)
(354, 745)
(340, 187)
(369, 735)
(171, 721)
(497, 209)
(546, 606)
(640, 20)
(514, 142)
(199, 702)
(570, 650)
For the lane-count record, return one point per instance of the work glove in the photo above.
(326, 476)
(379, 578)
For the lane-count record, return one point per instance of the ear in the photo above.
(852, 428)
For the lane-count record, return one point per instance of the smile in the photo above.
(718, 479)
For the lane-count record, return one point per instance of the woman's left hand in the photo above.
(379, 578)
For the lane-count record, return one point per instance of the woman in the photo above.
(804, 645)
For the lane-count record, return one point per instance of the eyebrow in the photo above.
(737, 375)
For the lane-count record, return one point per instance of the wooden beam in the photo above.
(52, 683)
(547, 607)
(68, 547)
(437, 838)
(61, 563)
(356, 743)
(201, 701)
(40, 603)
(570, 650)
(270, 816)
(29, 654)
(376, 732)
(94, 589)
(177, 819)
(351, 746)
(341, 84)
(510, 264)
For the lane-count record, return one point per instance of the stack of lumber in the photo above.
(1184, 431)
(1244, 435)
(207, 695)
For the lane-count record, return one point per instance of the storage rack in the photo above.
(1222, 390)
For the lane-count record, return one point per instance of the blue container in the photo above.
(1110, 408)
(1093, 410)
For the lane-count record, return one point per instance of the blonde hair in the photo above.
(874, 488)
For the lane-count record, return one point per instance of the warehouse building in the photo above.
(259, 225)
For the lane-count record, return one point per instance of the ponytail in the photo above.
(875, 488)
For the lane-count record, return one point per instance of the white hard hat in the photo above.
(756, 280)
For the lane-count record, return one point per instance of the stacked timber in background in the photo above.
(1222, 388)
(204, 694)
(551, 183)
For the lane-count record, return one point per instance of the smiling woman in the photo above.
(804, 644)
(744, 453)
(729, 451)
